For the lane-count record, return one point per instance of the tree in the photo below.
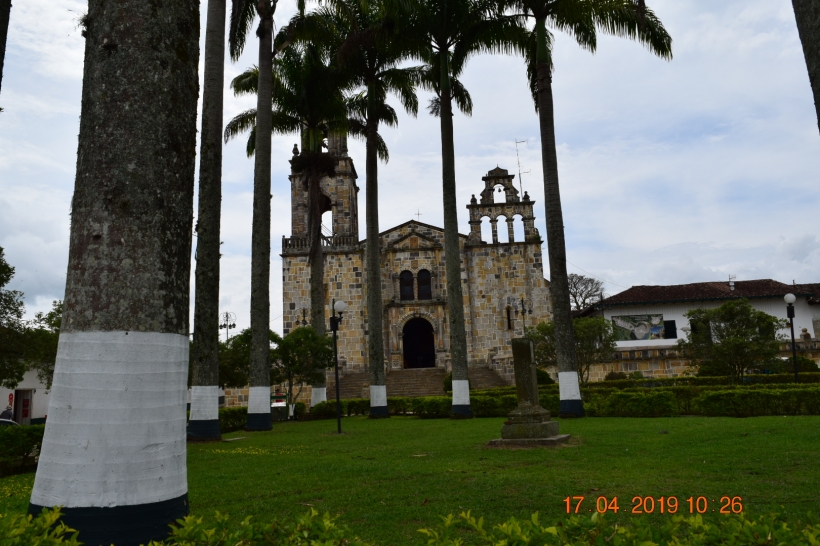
(594, 344)
(448, 33)
(581, 19)
(242, 16)
(372, 52)
(732, 339)
(203, 424)
(583, 291)
(308, 100)
(301, 357)
(12, 366)
(5, 14)
(807, 15)
(40, 345)
(113, 454)
(235, 360)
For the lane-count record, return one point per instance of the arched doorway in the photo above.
(419, 345)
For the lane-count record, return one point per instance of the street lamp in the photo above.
(526, 307)
(338, 307)
(790, 299)
(227, 321)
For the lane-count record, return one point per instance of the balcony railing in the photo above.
(334, 241)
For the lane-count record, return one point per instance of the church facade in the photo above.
(495, 275)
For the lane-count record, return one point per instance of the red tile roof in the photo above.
(720, 290)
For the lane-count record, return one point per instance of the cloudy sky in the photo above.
(671, 172)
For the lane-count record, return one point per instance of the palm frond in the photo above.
(243, 13)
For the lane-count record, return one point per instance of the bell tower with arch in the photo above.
(340, 195)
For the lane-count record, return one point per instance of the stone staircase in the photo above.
(410, 383)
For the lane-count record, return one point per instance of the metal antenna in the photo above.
(518, 159)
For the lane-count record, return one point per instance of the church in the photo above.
(497, 277)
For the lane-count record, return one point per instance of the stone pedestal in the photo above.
(529, 424)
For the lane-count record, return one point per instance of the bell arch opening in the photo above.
(419, 344)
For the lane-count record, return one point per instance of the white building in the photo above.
(652, 317)
(29, 400)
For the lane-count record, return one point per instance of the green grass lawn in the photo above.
(388, 478)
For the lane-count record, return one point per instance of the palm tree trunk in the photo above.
(114, 453)
(5, 14)
(375, 341)
(452, 253)
(570, 394)
(807, 14)
(315, 253)
(259, 417)
(204, 420)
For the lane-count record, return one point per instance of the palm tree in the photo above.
(113, 454)
(581, 19)
(204, 420)
(242, 17)
(807, 14)
(372, 53)
(308, 100)
(448, 32)
(5, 14)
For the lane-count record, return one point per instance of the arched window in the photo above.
(425, 285)
(503, 230)
(406, 286)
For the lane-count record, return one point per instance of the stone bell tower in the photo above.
(512, 206)
(339, 195)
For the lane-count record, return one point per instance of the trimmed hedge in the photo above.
(17, 444)
(633, 404)
(755, 402)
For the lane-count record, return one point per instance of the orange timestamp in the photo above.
(657, 505)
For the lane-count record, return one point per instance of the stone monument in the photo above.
(529, 424)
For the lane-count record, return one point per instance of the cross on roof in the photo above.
(417, 215)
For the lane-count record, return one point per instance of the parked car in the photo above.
(8, 423)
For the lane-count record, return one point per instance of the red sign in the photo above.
(11, 399)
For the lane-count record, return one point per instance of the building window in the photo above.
(670, 330)
(509, 319)
(425, 285)
(406, 286)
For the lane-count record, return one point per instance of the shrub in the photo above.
(432, 407)
(232, 419)
(448, 382)
(596, 529)
(635, 404)
(327, 409)
(399, 406)
(299, 410)
(307, 530)
(43, 530)
(754, 402)
(17, 444)
(491, 406)
(543, 378)
(357, 406)
(614, 376)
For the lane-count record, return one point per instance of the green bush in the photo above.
(492, 406)
(327, 409)
(634, 404)
(432, 407)
(754, 402)
(543, 377)
(615, 376)
(19, 443)
(43, 530)
(596, 529)
(448, 382)
(232, 419)
(399, 405)
(299, 409)
(358, 406)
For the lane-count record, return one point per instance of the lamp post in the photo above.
(790, 299)
(525, 306)
(227, 321)
(338, 307)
